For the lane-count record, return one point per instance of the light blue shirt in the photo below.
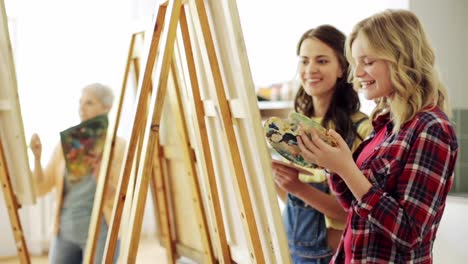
(78, 200)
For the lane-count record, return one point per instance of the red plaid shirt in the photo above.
(411, 173)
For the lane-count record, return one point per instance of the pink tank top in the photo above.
(366, 152)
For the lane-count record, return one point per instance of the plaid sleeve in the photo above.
(341, 190)
(337, 184)
(422, 176)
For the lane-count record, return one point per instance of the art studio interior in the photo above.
(191, 188)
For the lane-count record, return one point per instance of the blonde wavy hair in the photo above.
(398, 37)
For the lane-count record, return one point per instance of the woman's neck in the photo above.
(320, 106)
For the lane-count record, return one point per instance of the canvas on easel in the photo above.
(11, 126)
(251, 214)
(15, 174)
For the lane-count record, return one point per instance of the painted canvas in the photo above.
(83, 144)
(281, 135)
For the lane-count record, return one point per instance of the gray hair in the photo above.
(103, 93)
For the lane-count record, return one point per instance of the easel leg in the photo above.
(161, 199)
(154, 198)
(157, 183)
(12, 207)
(136, 66)
(153, 180)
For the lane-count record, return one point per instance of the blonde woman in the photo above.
(396, 186)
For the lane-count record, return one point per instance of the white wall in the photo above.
(446, 24)
(272, 28)
(450, 244)
(60, 46)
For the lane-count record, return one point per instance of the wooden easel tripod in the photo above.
(164, 38)
(13, 207)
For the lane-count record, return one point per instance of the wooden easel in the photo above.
(13, 207)
(96, 218)
(133, 61)
(132, 68)
(157, 181)
(151, 155)
(141, 112)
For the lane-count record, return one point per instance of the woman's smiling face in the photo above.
(318, 68)
(373, 74)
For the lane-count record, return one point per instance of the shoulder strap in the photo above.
(357, 123)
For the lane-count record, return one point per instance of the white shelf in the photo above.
(274, 105)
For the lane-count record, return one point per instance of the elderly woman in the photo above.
(75, 198)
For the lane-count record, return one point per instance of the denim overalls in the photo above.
(306, 230)
(75, 215)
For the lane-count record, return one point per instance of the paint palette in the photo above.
(282, 134)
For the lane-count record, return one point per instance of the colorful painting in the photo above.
(83, 145)
(281, 135)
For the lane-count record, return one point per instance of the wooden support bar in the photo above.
(161, 190)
